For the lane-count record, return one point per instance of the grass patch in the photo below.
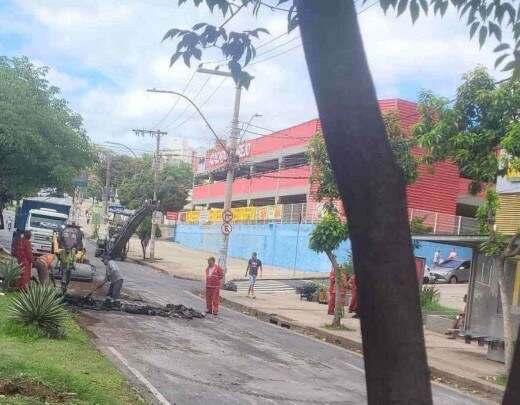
(438, 308)
(329, 326)
(499, 379)
(70, 366)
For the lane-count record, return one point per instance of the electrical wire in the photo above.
(176, 102)
(188, 105)
(202, 104)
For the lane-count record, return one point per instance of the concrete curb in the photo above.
(438, 375)
(157, 268)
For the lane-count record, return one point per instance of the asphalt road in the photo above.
(229, 359)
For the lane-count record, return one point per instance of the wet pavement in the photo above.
(228, 359)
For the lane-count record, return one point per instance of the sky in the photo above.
(104, 54)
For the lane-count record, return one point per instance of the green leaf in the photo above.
(500, 59)
(174, 58)
(401, 8)
(501, 47)
(482, 35)
(473, 29)
(199, 26)
(414, 10)
(444, 7)
(495, 30)
(510, 66)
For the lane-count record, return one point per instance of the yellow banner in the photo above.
(240, 214)
(192, 217)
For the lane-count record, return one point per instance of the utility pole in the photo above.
(232, 162)
(157, 135)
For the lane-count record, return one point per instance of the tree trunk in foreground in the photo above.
(512, 394)
(506, 314)
(372, 187)
(144, 245)
(336, 321)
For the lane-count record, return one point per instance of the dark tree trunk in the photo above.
(372, 186)
(512, 394)
(144, 245)
(338, 308)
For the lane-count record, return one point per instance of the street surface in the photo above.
(229, 359)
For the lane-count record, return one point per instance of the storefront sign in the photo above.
(219, 157)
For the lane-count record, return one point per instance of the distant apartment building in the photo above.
(177, 150)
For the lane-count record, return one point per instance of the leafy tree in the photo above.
(144, 232)
(175, 180)
(326, 237)
(42, 141)
(370, 182)
(323, 175)
(483, 120)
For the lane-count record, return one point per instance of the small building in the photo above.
(484, 312)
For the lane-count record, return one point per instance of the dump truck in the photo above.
(42, 216)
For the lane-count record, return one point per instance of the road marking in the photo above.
(140, 377)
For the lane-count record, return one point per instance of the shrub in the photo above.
(10, 271)
(430, 297)
(40, 307)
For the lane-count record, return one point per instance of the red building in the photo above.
(274, 170)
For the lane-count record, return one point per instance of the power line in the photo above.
(176, 101)
(187, 105)
(202, 104)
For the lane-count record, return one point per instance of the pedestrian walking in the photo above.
(45, 265)
(332, 290)
(25, 259)
(353, 307)
(253, 265)
(9, 224)
(214, 275)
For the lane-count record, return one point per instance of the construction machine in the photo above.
(115, 244)
(72, 261)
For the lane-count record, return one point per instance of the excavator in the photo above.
(115, 245)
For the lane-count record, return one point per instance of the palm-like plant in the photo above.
(10, 271)
(41, 306)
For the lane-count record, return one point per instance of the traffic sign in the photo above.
(227, 216)
(226, 228)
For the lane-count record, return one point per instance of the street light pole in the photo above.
(107, 187)
(157, 135)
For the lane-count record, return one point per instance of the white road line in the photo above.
(140, 377)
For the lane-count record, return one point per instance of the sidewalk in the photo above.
(466, 364)
(188, 263)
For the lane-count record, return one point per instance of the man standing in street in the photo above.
(252, 268)
(214, 275)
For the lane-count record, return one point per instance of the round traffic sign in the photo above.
(226, 228)
(227, 216)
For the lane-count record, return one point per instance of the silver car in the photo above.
(451, 271)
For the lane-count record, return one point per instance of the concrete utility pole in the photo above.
(157, 135)
(232, 162)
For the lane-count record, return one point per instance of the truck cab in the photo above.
(42, 223)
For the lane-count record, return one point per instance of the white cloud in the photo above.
(104, 54)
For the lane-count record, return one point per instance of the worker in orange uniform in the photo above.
(332, 290)
(353, 307)
(214, 275)
(45, 265)
(25, 259)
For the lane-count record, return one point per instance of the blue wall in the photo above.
(276, 244)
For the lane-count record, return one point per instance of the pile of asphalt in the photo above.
(168, 311)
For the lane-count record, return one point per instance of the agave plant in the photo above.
(10, 271)
(41, 306)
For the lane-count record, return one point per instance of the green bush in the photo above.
(40, 307)
(430, 296)
(10, 271)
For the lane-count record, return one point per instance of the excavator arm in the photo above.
(127, 230)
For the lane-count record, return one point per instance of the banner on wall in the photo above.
(240, 214)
